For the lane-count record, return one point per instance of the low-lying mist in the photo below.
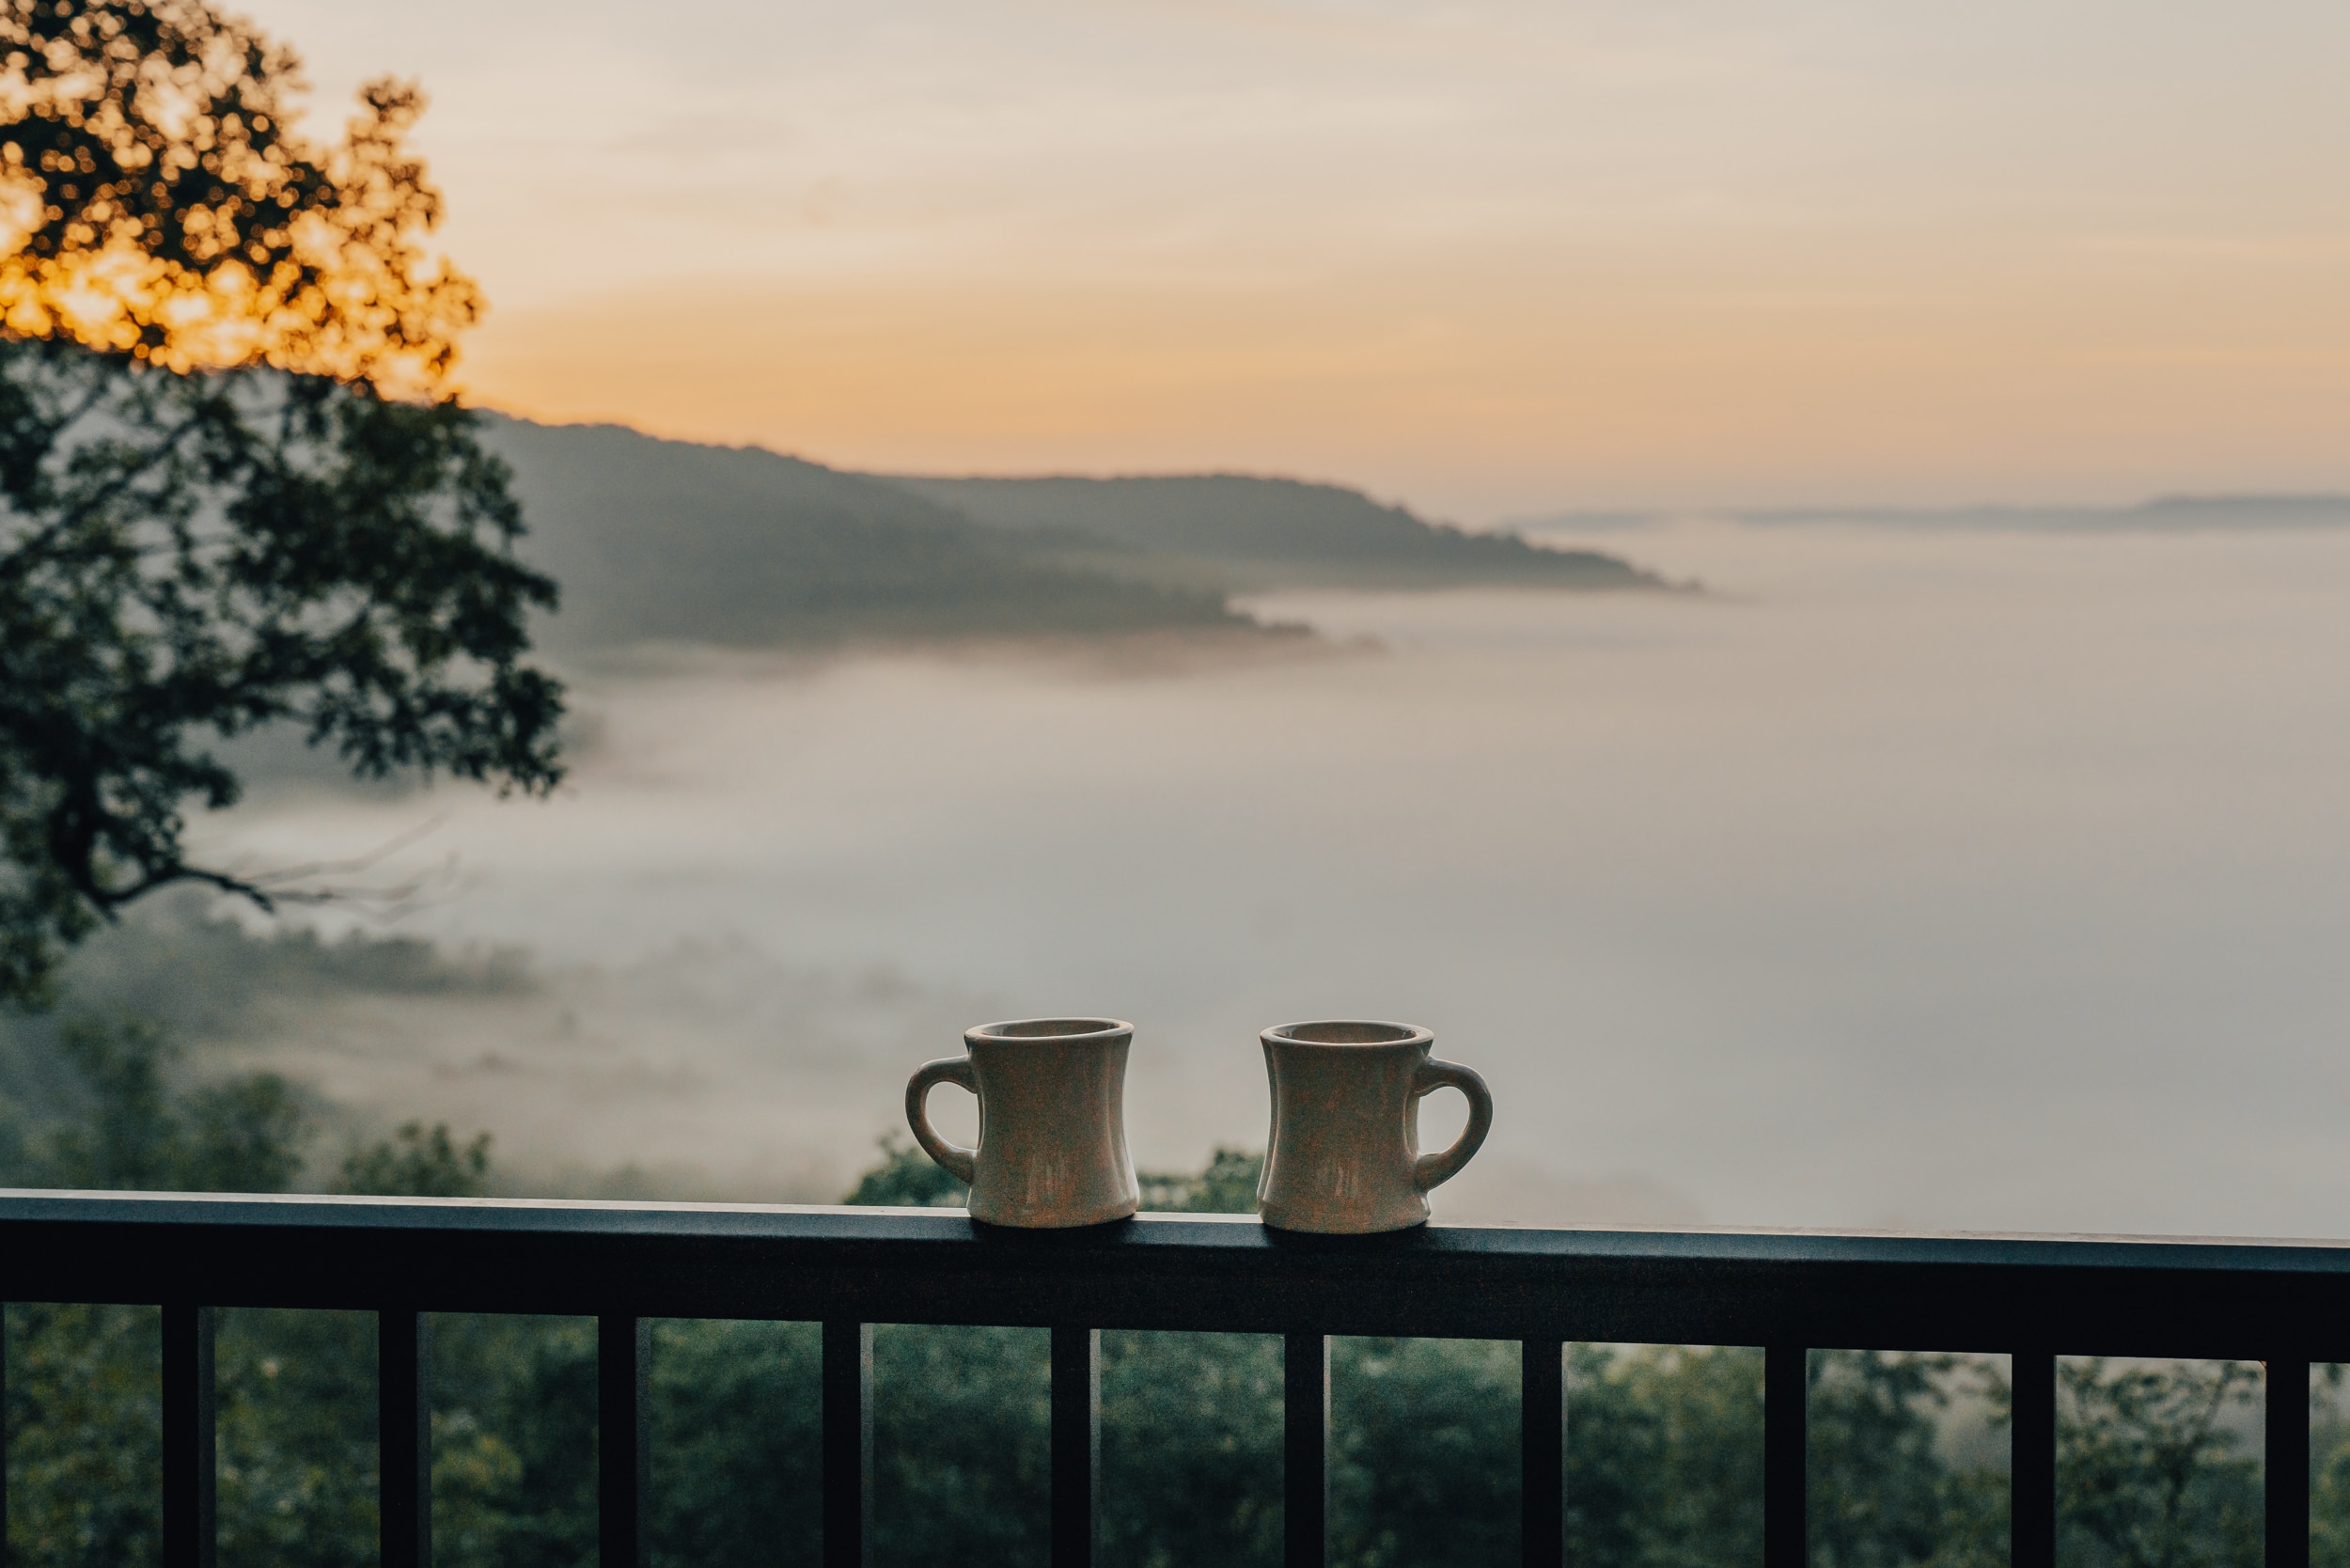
(704, 1069)
(1943, 879)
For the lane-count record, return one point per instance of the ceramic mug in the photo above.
(1051, 1096)
(1343, 1156)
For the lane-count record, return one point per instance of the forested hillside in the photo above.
(669, 542)
(1275, 532)
(664, 541)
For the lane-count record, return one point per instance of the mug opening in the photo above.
(1049, 1029)
(1348, 1032)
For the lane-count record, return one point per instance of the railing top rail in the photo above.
(812, 1222)
(2120, 1294)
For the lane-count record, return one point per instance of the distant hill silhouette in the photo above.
(666, 540)
(1272, 533)
(2163, 514)
(2238, 511)
(657, 540)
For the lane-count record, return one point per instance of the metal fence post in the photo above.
(2287, 1471)
(1305, 1450)
(1543, 1452)
(623, 1457)
(190, 1457)
(1077, 1446)
(2033, 1470)
(1786, 1416)
(405, 1439)
(3, 1435)
(848, 1438)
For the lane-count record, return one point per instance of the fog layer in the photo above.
(1948, 879)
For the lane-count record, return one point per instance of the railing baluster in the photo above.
(2032, 1461)
(1786, 1412)
(1077, 1446)
(623, 1457)
(4, 1435)
(2288, 1463)
(1543, 1452)
(848, 1422)
(404, 1424)
(190, 1461)
(1305, 1450)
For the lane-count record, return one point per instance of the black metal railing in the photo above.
(2286, 1304)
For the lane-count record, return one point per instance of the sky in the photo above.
(1489, 258)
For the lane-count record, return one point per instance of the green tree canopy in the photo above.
(234, 489)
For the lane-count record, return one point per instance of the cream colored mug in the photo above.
(1051, 1096)
(1343, 1156)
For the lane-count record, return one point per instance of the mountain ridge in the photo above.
(1272, 532)
(655, 541)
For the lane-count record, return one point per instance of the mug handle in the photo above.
(957, 1161)
(1431, 1169)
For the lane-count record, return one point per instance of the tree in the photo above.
(2150, 1467)
(296, 1389)
(906, 1178)
(234, 489)
(240, 1135)
(420, 1165)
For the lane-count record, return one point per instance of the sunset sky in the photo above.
(1491, 257)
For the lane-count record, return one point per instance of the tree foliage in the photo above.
(232, 492)
(907, 1178)
(136, 1132)
(419, 1162)
(2150, 1467)
(158, 202)
(296, 1390)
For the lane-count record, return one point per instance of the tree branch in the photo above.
(267, 890)
(80, 511)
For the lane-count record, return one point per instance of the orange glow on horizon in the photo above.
(1490, 256)
(1531, 392)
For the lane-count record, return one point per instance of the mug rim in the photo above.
(1404, 1034)
(1080, 1030)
